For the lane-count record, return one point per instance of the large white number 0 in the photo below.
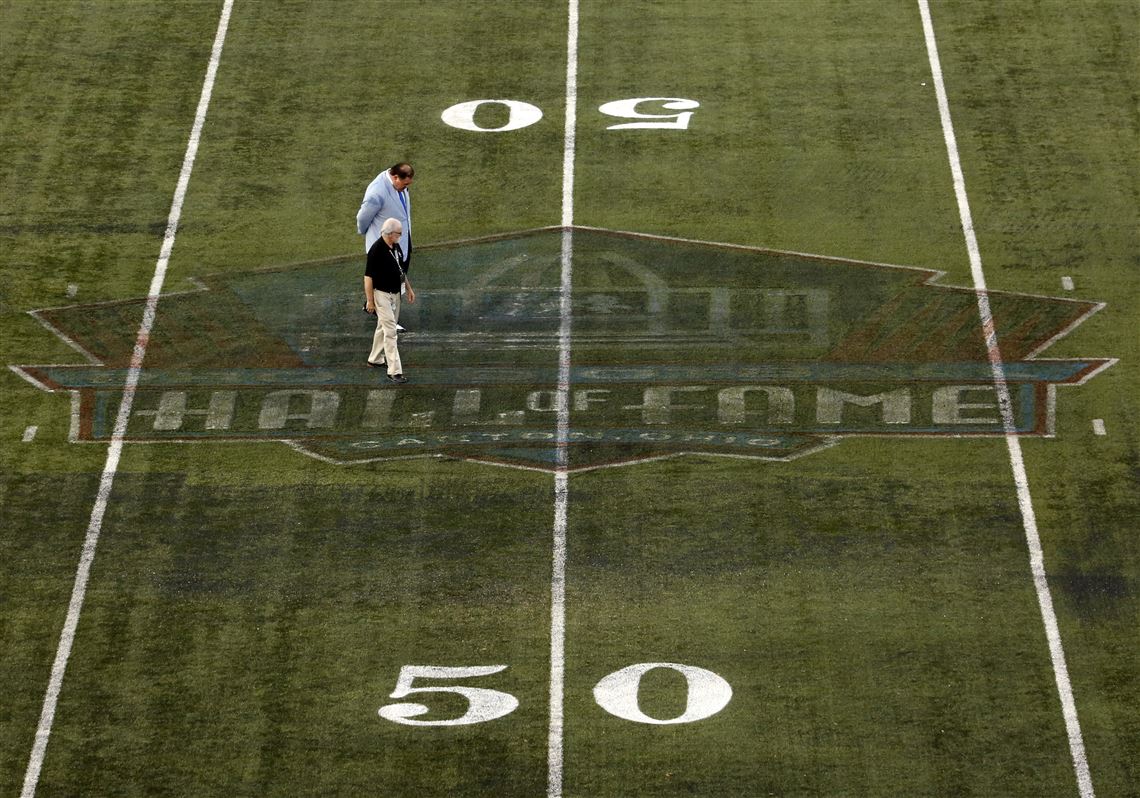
(483, 704)
(627, 109)
(462, 116)
(617, 693)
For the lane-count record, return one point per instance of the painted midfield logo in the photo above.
(677, 347)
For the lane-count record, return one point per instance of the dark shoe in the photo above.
(379, 365)
(399, 379)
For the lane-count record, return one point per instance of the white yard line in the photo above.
(557, 638)
(1013, 444)
(561, 477)
(111, 466)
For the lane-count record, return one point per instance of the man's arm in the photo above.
(369, 297)
(372, 205)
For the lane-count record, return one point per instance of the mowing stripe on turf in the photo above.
(115, 449)
(1013, 444)
(561, 478)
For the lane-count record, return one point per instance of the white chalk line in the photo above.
(554, 760)
(114, 452)
(1013, 444)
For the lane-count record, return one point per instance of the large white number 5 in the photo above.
(627, 109)
(483, 704)
(617, 693)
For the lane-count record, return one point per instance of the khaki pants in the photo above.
(384, 339)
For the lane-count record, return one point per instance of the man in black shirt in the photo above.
(384, 274)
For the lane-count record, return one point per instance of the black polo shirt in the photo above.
(383, 266)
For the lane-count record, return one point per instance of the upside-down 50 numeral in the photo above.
(521, 114)
(706, 694)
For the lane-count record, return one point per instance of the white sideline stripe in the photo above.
(30, 433)
(1098, 427)
(106, 481)
(554, 764)
(1013, 444)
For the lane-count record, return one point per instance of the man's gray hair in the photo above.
(391, 225)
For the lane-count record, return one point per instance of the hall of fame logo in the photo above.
(676, 347)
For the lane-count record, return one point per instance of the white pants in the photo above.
(384, 339)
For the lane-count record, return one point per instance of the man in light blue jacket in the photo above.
(387, 197)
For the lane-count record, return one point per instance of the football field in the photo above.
(770, 425)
